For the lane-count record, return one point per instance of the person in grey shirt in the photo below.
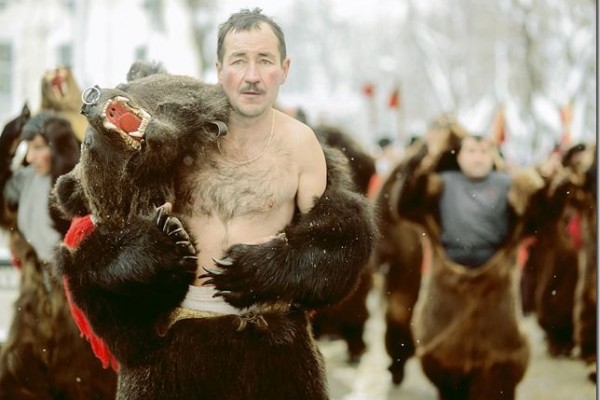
(473, 205)
(52, 150)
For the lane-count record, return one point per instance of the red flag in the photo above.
(394, 101)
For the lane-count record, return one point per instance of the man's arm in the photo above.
(312, 171)
(316, 263)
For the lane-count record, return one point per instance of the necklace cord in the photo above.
(259, 155)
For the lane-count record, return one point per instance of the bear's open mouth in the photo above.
(129, 121)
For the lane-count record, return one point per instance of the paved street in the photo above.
(546, 378)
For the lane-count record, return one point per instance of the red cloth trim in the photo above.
(80, 228)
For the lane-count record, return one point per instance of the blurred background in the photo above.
(524, 71)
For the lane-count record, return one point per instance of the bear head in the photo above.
(139, 135)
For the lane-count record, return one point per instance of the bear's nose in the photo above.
(89, 97)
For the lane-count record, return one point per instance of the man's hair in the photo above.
(246, 20)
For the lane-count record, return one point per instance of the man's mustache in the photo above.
(252, 88)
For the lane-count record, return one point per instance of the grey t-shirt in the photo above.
(474, 216)
(31, 191)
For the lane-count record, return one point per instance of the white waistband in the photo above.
(201, 298)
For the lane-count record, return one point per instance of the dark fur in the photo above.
(586, 294)
(402, 201)
(552, 268)
(399, 256)
(347, 319)
(564, 276)
(129, 274)
(465, 323)
(44, 356)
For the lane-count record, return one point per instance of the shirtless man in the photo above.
(267, 165)
(278, 228)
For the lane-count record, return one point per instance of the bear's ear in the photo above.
(25, 112)
(218, 127)
(141, 69)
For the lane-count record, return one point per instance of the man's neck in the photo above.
(242, 129)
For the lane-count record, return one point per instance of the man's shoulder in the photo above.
(297, 134)
(294, 126)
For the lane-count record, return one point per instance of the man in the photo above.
(475, 218)
(268, 164)
(473, 205)
(276, 225)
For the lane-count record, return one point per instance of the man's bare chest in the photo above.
(232, 191)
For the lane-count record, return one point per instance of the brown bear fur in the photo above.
(466, 322)
(399, 253)
(586, 294)
(133, 270)
(44, 356)
(399, 256)
(348, 318)
(551, 270)
(554, 277)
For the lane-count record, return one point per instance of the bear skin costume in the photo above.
(130, 273)
(347, 319)
(61, 94)
(399, 254)
(554, 275)
(586, 293)
(399, 257)
(550, 273)
(44, 356)
(466, 321)
(562, 261)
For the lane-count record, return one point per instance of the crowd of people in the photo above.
(461, 242)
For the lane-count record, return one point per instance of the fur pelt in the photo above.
(551, 267)
(133, 270)
(347, 319)
(61, 94)
(399, 256)
(44, 356)
(465, 325)
(399, 253)
(558, 282)
(586, 296)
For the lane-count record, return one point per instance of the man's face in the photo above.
(252, 70)
(475, 158)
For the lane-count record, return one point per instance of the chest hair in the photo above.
(232, 191)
